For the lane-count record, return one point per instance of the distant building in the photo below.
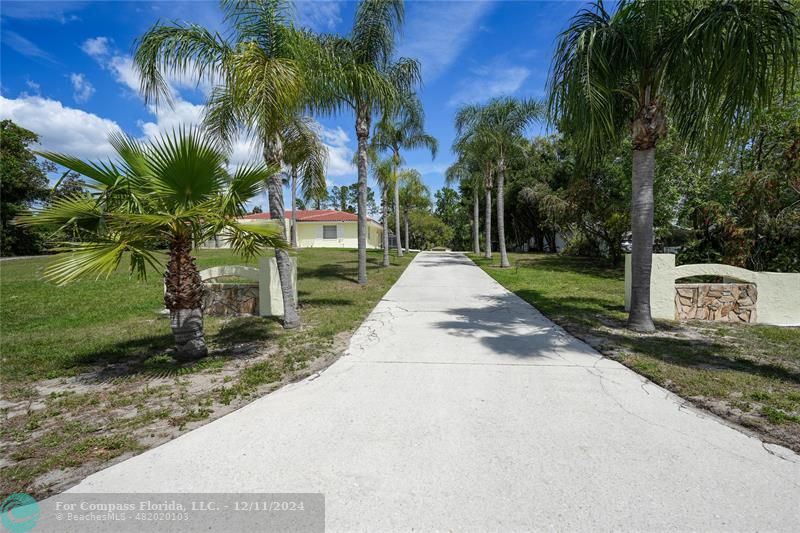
(317, 228)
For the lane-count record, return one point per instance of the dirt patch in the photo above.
(56, 432)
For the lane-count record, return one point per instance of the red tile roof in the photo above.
(311, 215)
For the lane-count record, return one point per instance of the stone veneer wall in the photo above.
(726, 302)
(230, 299)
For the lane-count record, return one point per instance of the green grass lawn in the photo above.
(749, 374)
(86, 375)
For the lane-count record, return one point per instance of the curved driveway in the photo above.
(460, 407)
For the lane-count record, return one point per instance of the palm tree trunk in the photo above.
(408, 245)
(398, 240)
(501, 226)
(362, 133)
(476, 210)
(273, 154)
(294, 209)
(385, 213)
(488, 224)
(183, 296)
(639, 318)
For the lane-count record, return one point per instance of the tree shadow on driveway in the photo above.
(509, 326)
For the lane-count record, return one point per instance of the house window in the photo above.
(329, 232)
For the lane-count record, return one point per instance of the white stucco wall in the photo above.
(270, 297)
(778, 293)
(309, 235)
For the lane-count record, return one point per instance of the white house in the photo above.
(318, 228)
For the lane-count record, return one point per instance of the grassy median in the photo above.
(749, 374)
(87, 377)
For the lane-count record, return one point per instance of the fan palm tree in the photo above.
(414, 194)
(367, 81)
(306, 156)
(402, 127)
(499, 125)
(710, 66)
(176, 189)
(466, 173)
(266, 74)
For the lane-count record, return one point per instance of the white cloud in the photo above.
(182, 113)
(340, 155)
(319, 15)
(82, 89)
(97, 47)
(32, 10)
(61, 129)
(436, 32)
(489, 82)
(33, 86)
(24, 46)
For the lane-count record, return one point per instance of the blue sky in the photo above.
(65, 69)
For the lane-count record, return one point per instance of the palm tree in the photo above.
(712, 66)
(499, 124)
(306, 156)
(383, 174)
(466, 171)
(175, 189)
(265, 75)
(402, 128)
(368, 81)
(414, 194)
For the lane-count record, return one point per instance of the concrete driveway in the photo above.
(459, 407)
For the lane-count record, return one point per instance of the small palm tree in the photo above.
(383, 173)
(306, 156)
(499, 125)
(402, 127)
(266, 75)
(710, 66)
(414, 194)
(175, 189)
(367, 81)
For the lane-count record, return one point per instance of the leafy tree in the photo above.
(448, 208)
(367, 81)
(499, 124)
(402, 127)
(266, 73)
(257, 210)
(23, 181)
(427, 230)
(745, 211)
(710, 66)
(174, 189)
(353, 193)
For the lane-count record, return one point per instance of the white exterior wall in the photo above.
(778, 293)
(309, 235)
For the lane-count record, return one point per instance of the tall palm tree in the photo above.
(467, 173)
(710, 66)
(500, 125)
(367, 81)
(264, 79)
(402, 127)
(306, 156)
(174, 189)
(414, 194)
